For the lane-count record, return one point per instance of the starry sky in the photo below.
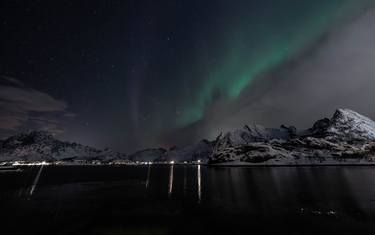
(142, 73)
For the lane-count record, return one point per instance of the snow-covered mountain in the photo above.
(253, 133)
(346, 138)
(41, 145)
(347, 125)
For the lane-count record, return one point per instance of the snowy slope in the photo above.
(348, 125)
(253, 133)
(41, 145)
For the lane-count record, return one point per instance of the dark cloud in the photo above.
(26, 108)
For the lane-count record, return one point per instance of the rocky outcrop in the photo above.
(297, 151)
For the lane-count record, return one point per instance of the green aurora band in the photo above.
(254, 47)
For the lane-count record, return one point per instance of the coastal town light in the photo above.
(16, 163)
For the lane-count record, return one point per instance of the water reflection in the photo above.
(170, 184)
(36, 180)
(148, 176)
(287, 190)
(185, 180)
(199, 183)
(329, 197)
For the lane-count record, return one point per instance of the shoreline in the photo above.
(219, 165)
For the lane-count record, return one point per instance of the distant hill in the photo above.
(41, 145)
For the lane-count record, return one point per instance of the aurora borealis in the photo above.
(249, 47)
(135, 74)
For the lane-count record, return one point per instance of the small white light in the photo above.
(171, 162)
(199, 161)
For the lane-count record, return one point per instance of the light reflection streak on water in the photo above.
(148, 176)
(36, 180)
(185, 180)
(170, 184)
(199, 183)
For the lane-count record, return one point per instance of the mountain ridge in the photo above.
(346, 135)
(41, 145)
(346, 138)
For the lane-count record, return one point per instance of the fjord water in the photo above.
(184, 199)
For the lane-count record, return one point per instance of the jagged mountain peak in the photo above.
(347, 124)
(348, 115)
(252, 133)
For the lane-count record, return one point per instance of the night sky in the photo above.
(135, 74)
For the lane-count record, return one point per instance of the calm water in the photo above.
(188, 200)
